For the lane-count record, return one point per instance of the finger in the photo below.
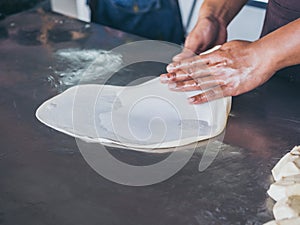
(196, 84)
(186, 64)
(210, 72)
(197, 73)
(167, 77)
(189, 85)
(186, 53)
(210, 95)
(175, 77)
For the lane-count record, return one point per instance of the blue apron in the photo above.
(153, 19)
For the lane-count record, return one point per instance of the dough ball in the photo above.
(284, 188)
(287, 208)
(288, 165)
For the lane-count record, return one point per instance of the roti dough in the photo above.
(284, 188)
(144, 116)
(293, 221)
(288, 165)
(287, 208)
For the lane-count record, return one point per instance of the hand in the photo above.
(237, 67)
(207, 33)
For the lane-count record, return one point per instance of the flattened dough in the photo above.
(284, 188)
(144, 116)
(293, 221)
(287, 208)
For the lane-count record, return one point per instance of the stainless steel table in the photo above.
(45, 180)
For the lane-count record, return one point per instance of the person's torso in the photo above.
(280, 13)
(154, 19)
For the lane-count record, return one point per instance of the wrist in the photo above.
(281, 47)
(212, 14)
(222, 10)
(266, 55)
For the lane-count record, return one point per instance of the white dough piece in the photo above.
(288, 165)
(287, 208)
(145, 116)
(296, 150)
(284, 188)
(293, 221)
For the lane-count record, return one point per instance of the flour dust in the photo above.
(83, 66)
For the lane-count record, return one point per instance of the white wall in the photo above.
(247, 25)
(73, 8)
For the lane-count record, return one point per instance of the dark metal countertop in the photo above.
(45, 180)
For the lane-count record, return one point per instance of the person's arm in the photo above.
(222, 10)
(211, 28)
(238, 66)
(282, 46)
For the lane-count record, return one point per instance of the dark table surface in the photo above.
(45, 180)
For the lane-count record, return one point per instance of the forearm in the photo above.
(222, 10)
(281, 48)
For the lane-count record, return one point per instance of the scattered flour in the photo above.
(83, 66)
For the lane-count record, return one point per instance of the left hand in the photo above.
(235, 68)
(207, 33)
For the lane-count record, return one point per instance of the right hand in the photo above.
(235, 68)
(207, 33)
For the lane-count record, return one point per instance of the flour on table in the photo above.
(84, 65)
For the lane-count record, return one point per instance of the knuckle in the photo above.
(231, 91)
(191, 70)
(235, 93)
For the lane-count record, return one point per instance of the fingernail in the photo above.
(172, 86)
(191, 100)
(164, 78)
(170, 68)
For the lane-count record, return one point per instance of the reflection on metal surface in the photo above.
(84, 65)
